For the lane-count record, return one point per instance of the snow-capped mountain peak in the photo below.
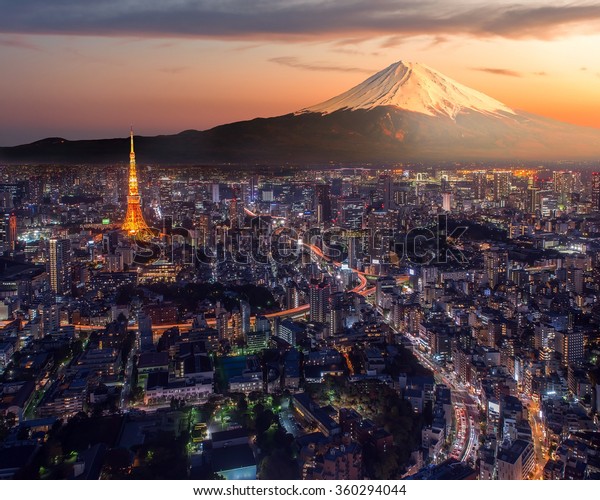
(412, 87)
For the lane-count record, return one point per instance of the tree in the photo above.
(385, 466)
(137, 394)
(242, 404)
(278, 466)
(117, 463)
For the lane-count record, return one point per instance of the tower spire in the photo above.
(132, 152)
(134, 220)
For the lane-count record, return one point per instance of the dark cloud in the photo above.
(299, 20)
(294, 62)
(499, 71)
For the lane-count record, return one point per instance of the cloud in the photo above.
(19, 44)
(393, 41)
(300, 19)
(294, 62)
(540, 73)
(499, 71)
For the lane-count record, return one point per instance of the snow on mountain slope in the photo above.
(412, 87)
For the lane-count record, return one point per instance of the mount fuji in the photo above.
(412, 87)
(406, 112)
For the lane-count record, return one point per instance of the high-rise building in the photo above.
(502, 182)
(385, 285)
(336, 319)
(401, 198)
(8, 232)
(447, 201)
(253, 189)
(353, 248)
(386, 191)
(569, 345)
(245, 312)
(564, 186)
(495, 263)
(267, 194)
(12, 194)
(381, 224)
(479, 185)
(204, 229)
(323, 203)
(134, 220)
(292, 295)
(319, 301)
(516, 461)
(351, 213)
(60, 266)
(216, 193)
(596, 191)
(533, 197)
(289, 331)
(262, 324)
(145, 329)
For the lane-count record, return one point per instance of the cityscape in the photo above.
(401, 282)
(348, 323)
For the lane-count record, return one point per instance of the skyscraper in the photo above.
(134, 220)
(336, 316)
(569, 345)
(386, 191)
(501, 185)
(319, 301)
(323, 203)
(495, 263)
(216, 193)
(351, 211)
(8, 232)
(245, 312)
(60, 266)
(292, 295)
(564, 186)
(533, 197)
(596, 191)
(479, 185)
(447, 201)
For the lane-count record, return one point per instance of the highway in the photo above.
(466, 408)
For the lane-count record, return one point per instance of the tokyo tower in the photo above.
(134, 220)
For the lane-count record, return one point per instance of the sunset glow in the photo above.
(86, 81)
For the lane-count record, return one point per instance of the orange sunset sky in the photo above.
(81, 69)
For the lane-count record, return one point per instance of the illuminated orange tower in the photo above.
(134, 220)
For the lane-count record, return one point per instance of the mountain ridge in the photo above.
(405, 112)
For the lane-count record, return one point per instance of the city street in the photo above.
(465, 404)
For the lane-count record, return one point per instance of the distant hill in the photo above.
(406, 112)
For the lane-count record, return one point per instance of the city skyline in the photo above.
(397, 280)
(120, 65)
(411, 323)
